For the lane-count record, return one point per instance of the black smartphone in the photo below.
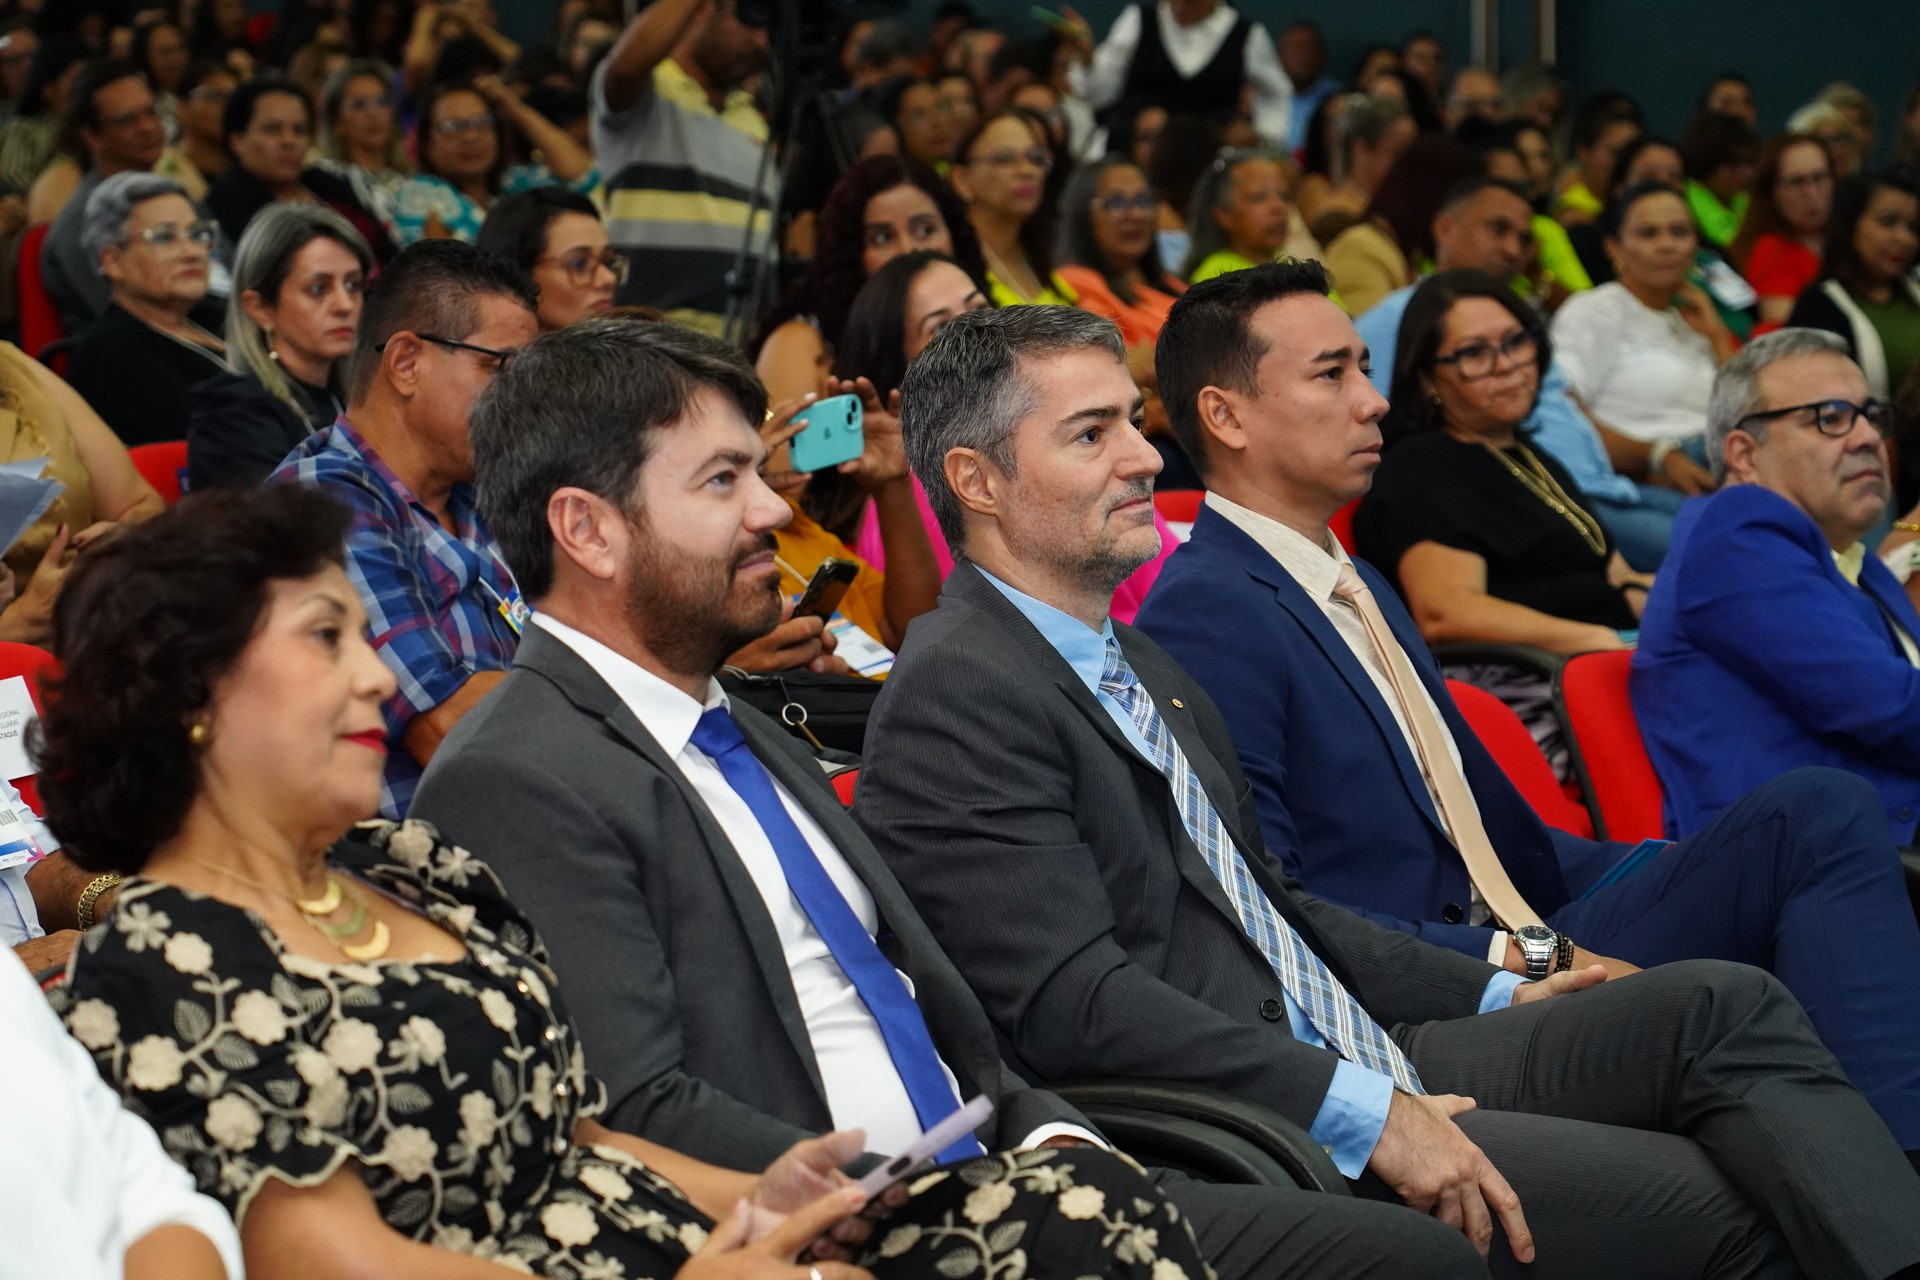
(830, 582)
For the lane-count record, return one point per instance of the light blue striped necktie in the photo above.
(1329, 1006)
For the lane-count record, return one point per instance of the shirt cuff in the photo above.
(1497, 950)
(1352, 1116)
(1499, 992)
(1059, 1129)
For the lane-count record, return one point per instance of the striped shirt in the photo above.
(680, 178)
(433, 597)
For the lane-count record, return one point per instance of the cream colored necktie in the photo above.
(1429, 741)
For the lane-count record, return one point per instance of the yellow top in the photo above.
(1580, 200)
(1850, 562)
(1057, 293)
(32, 425)
(803, 544)
(1366, 265)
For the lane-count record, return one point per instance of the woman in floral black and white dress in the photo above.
(356, 1044)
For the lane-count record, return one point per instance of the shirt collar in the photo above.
(666, 712)
(1315, 567)
(1851, 562)
(1084, 648)
(459, 498)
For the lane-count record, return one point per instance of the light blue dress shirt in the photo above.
(1305, 103)
(1355, 1109)
(1557, 424)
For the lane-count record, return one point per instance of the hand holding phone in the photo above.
(928, 1145)
(835, 433)
(826, 588)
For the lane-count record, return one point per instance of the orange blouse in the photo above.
(1139, 323)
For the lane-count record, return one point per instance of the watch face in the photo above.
(1533, 933)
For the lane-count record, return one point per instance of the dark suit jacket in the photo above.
(668, 957)
(1050, 859)
(1757, 656)
(1342, 801)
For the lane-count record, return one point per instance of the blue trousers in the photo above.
(1643, 528)
(1799, 878)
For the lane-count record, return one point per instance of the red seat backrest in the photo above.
(35, 664)
(843, 784)
(1603, 734)
(1178, 506)
(1342, 525)
(1506, 739)
(39, 318)
(161, 464)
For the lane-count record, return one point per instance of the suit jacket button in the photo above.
(1271, 1010)
(1452, 914)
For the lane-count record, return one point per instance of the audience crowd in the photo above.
(618, 625)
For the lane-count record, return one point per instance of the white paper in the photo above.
(23, 500)
(16, 713)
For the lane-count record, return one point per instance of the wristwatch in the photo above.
(1542, 949)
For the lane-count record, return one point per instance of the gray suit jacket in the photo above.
(670, 965)
(1050, 859)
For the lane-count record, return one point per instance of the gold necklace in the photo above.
(1540, 483)
(316, 910)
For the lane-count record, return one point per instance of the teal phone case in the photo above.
(835, 433)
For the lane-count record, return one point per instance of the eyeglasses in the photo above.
(381, 100)
(1833, 418)
(1116, 203)
(501, 358)
(168, 235)
(464, 124)
(125, 118)
(1036, 157)
(1807, 181)
(581, 264)
(1478, 360)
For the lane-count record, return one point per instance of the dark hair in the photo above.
(205, 37)
(1366, 56)
(360, 16)
(1188, 143)
(1714, 82)
(465, 58)
(887, 41)
(516, 225)
(580, 407)
(141, 54)
(1411, 192)
(83, 112)
(431, 286)
(1426, 116)
(1841, 261)
(57, 54)
(1613, 218)
(237, 118)
(199, 71)
(1763, 211)
(1624, 158)
(423, 125)
(1208, 341)
(1079, 247)
(1410, 410)
(1714, 141)
(1317, 153)
(833, 279)
(1036, 233)
(147, 625)
(1602, 110)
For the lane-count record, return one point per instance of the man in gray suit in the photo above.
(1064, 806)
(714, 913)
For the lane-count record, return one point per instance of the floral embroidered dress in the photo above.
(455, 1087)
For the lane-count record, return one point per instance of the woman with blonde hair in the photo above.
(297, 280)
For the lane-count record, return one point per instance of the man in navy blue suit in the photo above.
(1777, 639)
(1374, 792)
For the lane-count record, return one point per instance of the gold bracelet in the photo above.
(1907, 526)
(83, 910)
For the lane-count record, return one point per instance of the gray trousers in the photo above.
(1683, 1122)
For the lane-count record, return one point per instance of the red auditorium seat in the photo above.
(1342, 525)
(1178, 506)
(35, 664)
(1506, 739)
(1609, 754)
(40, 325)
(161, 465)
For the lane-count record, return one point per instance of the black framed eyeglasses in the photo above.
(1478, 360)
(1834, 418)
(501, 358)
(581, 264)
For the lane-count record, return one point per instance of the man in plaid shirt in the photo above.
(442, 609)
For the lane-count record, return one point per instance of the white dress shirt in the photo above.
(1317, 569)
(863, 1088)
(81, 1177)
(1190, 49)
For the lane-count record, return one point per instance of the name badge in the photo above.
(867, 656)
(514, 610)
(17, 845)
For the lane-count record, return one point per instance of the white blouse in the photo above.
(1644, 373)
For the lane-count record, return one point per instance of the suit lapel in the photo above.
(583, 686)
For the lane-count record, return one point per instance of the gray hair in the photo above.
(1810, 118)
(969, 390)
(1736, 388)
(261, 264)
(104, 220)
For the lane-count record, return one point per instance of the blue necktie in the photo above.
(1348, 1029)
(874, 978)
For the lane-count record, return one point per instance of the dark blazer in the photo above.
(236, 195)
(1757, 656)
(1049, 857)
(139, 380)
(1341, 798)
(668, 957)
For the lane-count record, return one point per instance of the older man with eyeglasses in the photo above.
(1774, 637)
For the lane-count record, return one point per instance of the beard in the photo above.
(694, 613)
(1105, 562)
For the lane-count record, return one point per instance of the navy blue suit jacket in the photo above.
(1341, 799)
(1757, 656)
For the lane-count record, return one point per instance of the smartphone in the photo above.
(928, 1145)
(835, 433)
(829, 583)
